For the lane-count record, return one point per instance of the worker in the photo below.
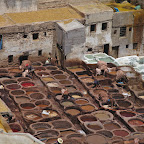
(97, 72)
(120, 76)
(25, 63)
(96, 83)
(59, 141)
(64, 92)
(48, 60)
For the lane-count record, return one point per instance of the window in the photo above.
(130, 29)
(122, 31)
(24, 36)
(127, 46)
(89, 49)
(134, 45)
(35, 36)
(10, 58)
(104, 26)
(39, 52)
(1, 42)
(45, 34)
(115, 31)
(93, 27)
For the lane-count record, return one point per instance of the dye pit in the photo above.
(38, 108)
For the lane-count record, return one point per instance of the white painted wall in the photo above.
(99, 37)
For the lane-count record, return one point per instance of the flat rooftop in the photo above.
(54, 14)
(90, 8)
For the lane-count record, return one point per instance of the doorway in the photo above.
(23, 57)
(115, 51)
(106, 49)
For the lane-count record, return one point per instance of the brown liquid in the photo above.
(85, 75)
(113, 72)
(140, 128)
(27, 107)
(51, 141)
(107, 88)
(135, 122)
(87, 108)
(127, 114)
(102, 116)
(73, 112)
(22, 99)
(94, 127)
(67, 103)
(15, 70)
(56, 91)
(40, 128)
(88, 118)
(76, 69)
(111, 126)
(81, 101)
(63, 133)
(47, 79)
(42, 105)
(121, 133)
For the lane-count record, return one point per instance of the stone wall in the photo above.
(9, 6)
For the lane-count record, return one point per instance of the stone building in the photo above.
(68, 31)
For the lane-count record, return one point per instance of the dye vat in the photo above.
(32, 116)
(37, 96)
(27, 84)
(60, 76)
(72, 112)
(36, 63)
(52, 84)
(56, 72)
(106, 133)
(140, 110)
(87, 80)
(67, 132)
(99, 77)
(48, 133)
(76, 69)
(113, 72)
(107, 87)
(23, 79)
(81, 101)
(22, 99)
(15, 70)
(139, 128)
(44, 74)
(124, 104)
(65, 82)
(49, 113)
(39, 126)
(103, 115)
(71, 141)
(55, 90)
(120, 133)
(15, 127)
(31, 90)
(17, 92)
(94, 126)
(87, 118)
(43, 104)
(51, 141)
(47, 79)
(67, 103)
(61, 124)
(96, 139)
(127, 114)
(111, 126)
(52, 68)
(8, 81)
(58, 97)
(100, 92)
(135, 122)
(76, 95)
(126, 69)
(3, 70)
(118, 96)
(27, 106)
(39, 68)
(87, 108)
(75, 135)
(12, 86)
(130, 74)
(71, 88)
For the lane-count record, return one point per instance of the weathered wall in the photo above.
(8, 6)
(98, 38)
(15, 44)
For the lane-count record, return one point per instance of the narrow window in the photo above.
(45, 34)
(115, 31)
(93, 27)
(89, 49)
(1, 42)
(134, 45)
(35, 36)
(127, 46)
(122, 31)
(24, 36)
(130, 29)
(10, 58)
(104, 26)
(39, 52)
